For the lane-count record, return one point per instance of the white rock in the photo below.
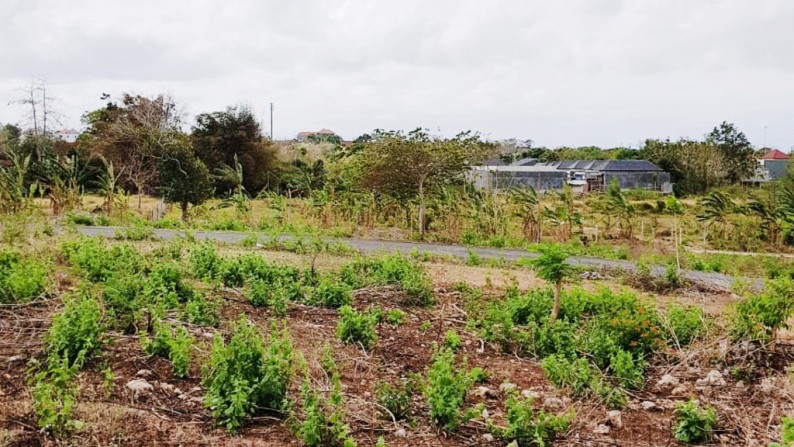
(167, 387)
(553, 402)
(767, 385)
(485, 414)
(529, 394)
(139, 386)
(601, 429)
(483, 391)
(145, 373)
(507, 387)
(15, 358)
(713, 378)
(615, 418)
(648, 405)
(667, 380)
(679, 391)
(487, 437)
(401, 433)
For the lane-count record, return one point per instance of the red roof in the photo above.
(775, 154)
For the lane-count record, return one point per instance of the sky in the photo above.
(561, 73)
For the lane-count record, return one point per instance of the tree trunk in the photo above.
(184, 205)
(421, 210)
(140, 194)
(555, 311)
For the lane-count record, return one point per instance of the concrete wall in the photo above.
(776, 168)
(546, 180)
(638, 179)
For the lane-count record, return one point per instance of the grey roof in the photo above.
(525, 162)
(606, 165)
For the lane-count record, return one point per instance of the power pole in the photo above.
(271, 121)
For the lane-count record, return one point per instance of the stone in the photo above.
(529, 394)
(487, 437)
(679, 391)
(667, 380)
(601, 429)
(483, 391)
(713, 378)
(647, 405)
(139, 386)
(615, 418)
(507, 387)
(485, 414)
(553, 402)
(167, 387)
(401, 433)
(145, 373)
(15, 358)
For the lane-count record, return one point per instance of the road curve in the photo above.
(710, 279)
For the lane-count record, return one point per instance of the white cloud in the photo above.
(573, 72)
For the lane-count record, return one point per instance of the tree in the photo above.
(184, 179)
(407, 166)
(526, 200)
(617, 204)
(551, 265)
(234, 135)
(40, 116)
(716, 209)
(694, 166)
(736, 150)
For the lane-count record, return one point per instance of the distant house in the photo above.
(320, 134)
(67, 135)
(581, 175)
(775, 163)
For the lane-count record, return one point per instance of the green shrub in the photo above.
(685, 323)
(636, 330)
(627, 370)
(97, 262)
(557, 337)
(250, 266)
(165, 285)
(202, 310)
(262, 294)
(395, 400)
(356, 327)
(22, 278)
(137, 232)
(787, 435)
(478, 375)
(330, 293)
(452, 340)
(121, 294)
(576, 375)
(76, 332)
(392, 269)
(244, 376)
(446, 388)
(174, 344)
(695, 423)
(671, 276)
(205, 262)
(759, 317)
(528, 426)
(55, 396)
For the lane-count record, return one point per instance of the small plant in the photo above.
(473, 258)
(244, 376)
(121, 294)
(76, 332)
(55, 396)
(356, 327)
(395, 316)
(262, 294)
(685, 323)
(175, 345)
(107, 380)
(393, 269)
(330, 293)
(205, 262)
(626, 370)
(695, 423)
(759, 317)
(395, 400)
(249, 241)
(425, 326)
(787, 433)
(478, 375)
(452, 340)
(202, 310)
(166, 286)
(447, 385)
(671, 276)
(22, 278)
(528, 426)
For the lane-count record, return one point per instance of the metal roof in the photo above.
(606, 165)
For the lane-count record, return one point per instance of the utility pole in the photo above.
(271, 121)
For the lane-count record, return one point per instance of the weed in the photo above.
(478, 375)
(395, 400)
(395, 316)
(393, 269)
(205, 262)
(684, 323)
(55, 396)
(759, 317)
(627, 370)
(695, 423)
(787, 433)
(528, 426)
(424, 327)
(447, 385)
(107, 380)
(356, 327)
(202, 310)
(452, 340)
(473, 258)
(249, 241)
(330, 293)
(174, 344)
(120, 293)
(243, 375)
(76, 332)
(22, 278)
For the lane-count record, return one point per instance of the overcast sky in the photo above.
(567, 72)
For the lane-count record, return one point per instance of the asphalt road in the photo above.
(713, 280)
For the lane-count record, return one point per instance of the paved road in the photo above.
(715, 280)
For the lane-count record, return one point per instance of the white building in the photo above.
(67, 135)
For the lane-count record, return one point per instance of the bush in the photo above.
(356, 327)
(97, 262)
(628, 371)
(262, 294)
(330, 293)
(528, 426)
(120, 293)
(202, 310)
(392, 269)
(557, 337)
(76, 332)
(685, 323)
(175, 345)
(22, 278)
(205, 262)
(324, 419)
(251, 266)
(395, 399)
(452, 340)
(447, 385)
(243, 376)
(759, 317)
(395, 316)
(695, 424)
(55, 396)
(165, 285)
(478, 375)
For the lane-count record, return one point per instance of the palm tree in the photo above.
(716, 209)
(13, 176)
(551, 266)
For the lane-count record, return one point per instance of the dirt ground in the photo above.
(173, 412)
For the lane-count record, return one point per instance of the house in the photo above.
(67, 135)
(775, 163)
(320, 134)
(582, 175)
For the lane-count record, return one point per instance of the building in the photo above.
(320, 134)
(582, 175)
(67, 135)
(775, 163)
